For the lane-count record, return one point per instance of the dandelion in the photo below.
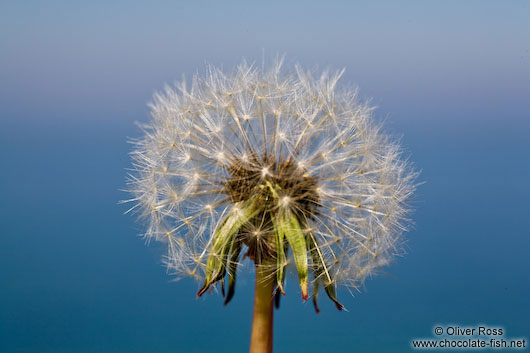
(277, 167)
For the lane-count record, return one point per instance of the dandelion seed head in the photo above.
(282, 141)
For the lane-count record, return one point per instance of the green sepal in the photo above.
(321, 273)
(278, 294)
(330, 291)
(240, 214)
(288, 224)
(281, 259)
(232, 269)
(315, 295)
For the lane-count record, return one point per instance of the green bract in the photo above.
(288, 231)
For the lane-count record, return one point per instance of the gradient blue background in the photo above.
(452, 77)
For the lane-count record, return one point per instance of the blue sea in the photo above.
(451, 80)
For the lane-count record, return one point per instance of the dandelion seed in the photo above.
(275, 166)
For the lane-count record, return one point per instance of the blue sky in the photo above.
(69, 57)
(452, 78)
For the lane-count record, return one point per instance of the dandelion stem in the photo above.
(261, 335)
